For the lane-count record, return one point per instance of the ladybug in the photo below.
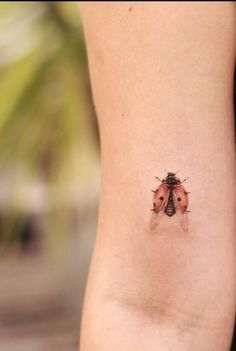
(170, 198)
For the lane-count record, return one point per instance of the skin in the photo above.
(162, 78)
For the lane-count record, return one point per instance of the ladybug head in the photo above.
(171, 174)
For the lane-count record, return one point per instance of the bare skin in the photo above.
(162, 78)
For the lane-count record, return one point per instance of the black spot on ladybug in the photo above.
(161, 198)
(185, 206)
(179, 199)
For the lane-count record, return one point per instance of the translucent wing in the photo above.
(181, 203)
(156, 218)
(160, 199)
(183, 220)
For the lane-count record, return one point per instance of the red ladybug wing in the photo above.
(181, 204)
(160, 199)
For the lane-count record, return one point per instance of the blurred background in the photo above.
(49, 175)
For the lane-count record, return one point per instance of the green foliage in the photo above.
(46, 130)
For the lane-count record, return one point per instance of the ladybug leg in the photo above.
(153, 209)
(184, 180)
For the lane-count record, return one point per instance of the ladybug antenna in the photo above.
(176, 172)
(166, 170)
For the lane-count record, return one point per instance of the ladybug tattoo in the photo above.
(170, 198)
